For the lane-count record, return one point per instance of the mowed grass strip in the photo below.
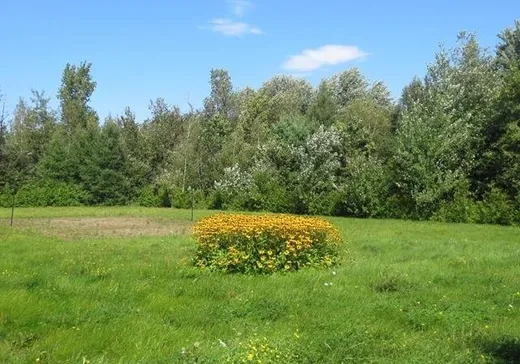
(71, 228)
(108, 211)
(405, 292)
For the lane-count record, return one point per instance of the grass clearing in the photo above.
(99, 291)
(70, 228)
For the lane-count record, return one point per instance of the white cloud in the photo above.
(229, 27)
(312, 59)
(240, 7)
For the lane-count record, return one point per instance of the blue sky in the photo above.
(141, 50)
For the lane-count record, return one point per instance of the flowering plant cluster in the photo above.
(264, 243)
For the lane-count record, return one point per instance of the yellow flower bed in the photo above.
(264, 243)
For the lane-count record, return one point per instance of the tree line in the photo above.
(448, 149)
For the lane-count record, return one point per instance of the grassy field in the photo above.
(116, 285)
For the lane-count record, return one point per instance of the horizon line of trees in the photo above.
(448, 149)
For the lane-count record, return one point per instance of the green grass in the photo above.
(405, 292)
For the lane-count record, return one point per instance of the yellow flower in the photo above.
(252, 239)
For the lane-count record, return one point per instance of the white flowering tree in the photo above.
(438, 138)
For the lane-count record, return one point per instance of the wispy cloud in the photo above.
(240, 7)
(312, 59)
(233, 28)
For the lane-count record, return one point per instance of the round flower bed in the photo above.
(264, 243)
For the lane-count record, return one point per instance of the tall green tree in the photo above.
(31, 130)
(499, 158)
(3, 135)
(508, 49)
(439, 138)
(161, 133)
(72, 146)
(221, 99)
(347, 86)
(366, 130)
(76, 89)
(107, 177)
(132, 141)
(323, 108)
(504, 153)
(220, 118)
(286, 96)
(33, 125)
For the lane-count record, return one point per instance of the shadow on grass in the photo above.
(503, 349)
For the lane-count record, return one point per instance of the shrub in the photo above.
(154, 196)
(46, 193)
(270, 192)
(147, 197)
(258, 191)
(264, 243)
(460, 209)
(180, 199)
(233, 190)
(365, 189)
(6, 199)
(496, 208)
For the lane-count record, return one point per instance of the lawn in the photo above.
(116, 285)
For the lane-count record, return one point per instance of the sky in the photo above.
(142, 50)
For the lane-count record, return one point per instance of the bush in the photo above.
(182, 199)
(153, 196)
(264, 243)
(461, 209)
(47, 193)
(496, 208)
(6, 199)
(257, 191)
(365, 189)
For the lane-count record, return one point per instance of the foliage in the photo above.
(502, 157)
(265, 243)
(323, 109)
(461, 208)
(308, 162)
(437, 140)
(46, 193)
(149, 197)
(508, 49)
(234, 189)
(497, 208)
(441, 151)
(365, 189)
(75, 92)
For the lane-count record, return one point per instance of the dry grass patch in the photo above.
(77, 227)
